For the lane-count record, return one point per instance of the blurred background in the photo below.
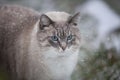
(100, 35)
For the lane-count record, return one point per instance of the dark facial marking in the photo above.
(54, 44)
(72, 42)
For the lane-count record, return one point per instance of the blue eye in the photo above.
(54, 38)
(69, 37)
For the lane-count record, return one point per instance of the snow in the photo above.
(107, 19)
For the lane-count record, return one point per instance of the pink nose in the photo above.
(63, 45)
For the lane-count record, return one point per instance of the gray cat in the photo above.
(37, 46)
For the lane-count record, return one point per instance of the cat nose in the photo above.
(63, 46)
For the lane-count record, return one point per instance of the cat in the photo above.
(35, 46)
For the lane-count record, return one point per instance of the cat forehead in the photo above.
(58, 16)
(64, 30)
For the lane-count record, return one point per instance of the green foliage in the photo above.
(3, 74)
(104, 65)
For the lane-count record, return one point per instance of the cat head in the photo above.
(59, 30)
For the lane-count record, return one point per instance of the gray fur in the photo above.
(24, 45)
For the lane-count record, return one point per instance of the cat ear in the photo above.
(74, 19)
(45, 21)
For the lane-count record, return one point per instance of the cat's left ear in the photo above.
(74, 19)
(45, 21)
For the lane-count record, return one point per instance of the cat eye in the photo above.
(69, 37)
(54, 38)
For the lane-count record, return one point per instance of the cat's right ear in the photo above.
(74, 19)
(45, 21)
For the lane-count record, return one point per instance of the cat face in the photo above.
(60, 34)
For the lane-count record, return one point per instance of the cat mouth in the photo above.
(64, 53)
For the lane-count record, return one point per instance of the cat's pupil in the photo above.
(69, 37)
(54, 38)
